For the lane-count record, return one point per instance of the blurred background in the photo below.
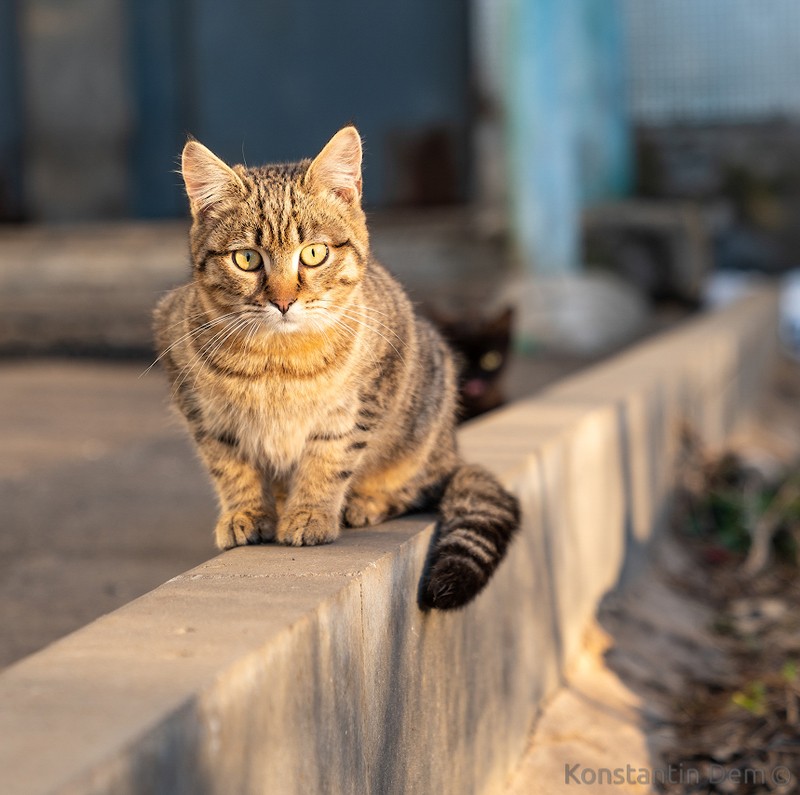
(622, 151)
(552, 179)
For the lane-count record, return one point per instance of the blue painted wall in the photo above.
(271, 80)
(161, 93)
(605, 149)
(10, 114)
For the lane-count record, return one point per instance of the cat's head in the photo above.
(286, 243)
(483, 347)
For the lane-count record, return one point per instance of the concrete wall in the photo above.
(311, 670)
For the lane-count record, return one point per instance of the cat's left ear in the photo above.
(208, 179)
(503, 322)
(337, 167)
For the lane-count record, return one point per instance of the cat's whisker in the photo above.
(197, 330)
(239, 313)
(211, 350)
(194, 332)
(243, 329)
(361, 311)
(331, 319)
(374, 311)
(190, 318)
(256, 321)
(186, 370)
(375, 331)
(364, 315)
(352, 332)
(324, 327)
(180, 339)
(204, 351)
(319, 326)
(362, 322)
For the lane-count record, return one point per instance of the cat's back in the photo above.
(416, 371)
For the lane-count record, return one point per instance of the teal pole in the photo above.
(567, 131)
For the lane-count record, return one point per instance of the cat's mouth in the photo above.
(282, 322)
(297, 318)
(474, 387)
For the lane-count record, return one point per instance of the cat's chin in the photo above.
(286, 327)
(275, 322)
(289, 326)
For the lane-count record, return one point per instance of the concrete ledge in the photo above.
(312, 670)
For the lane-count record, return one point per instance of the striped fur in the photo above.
(314, 394)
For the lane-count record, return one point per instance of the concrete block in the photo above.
(452, 696)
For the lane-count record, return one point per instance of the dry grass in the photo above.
(743, 529)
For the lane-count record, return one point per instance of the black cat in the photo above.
(483, 347)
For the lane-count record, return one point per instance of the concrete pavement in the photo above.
(101, 498)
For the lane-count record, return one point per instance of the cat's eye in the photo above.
(314, 255)
(246, 259)
(491, 360)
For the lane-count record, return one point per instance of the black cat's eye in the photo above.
(491, 361)
(246, 259)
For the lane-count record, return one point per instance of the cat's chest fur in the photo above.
(271, 419)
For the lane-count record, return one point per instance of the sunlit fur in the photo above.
(314, 394)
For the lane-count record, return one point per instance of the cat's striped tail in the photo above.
(477, 519)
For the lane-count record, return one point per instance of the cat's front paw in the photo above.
(307, 528)
(361, 511)
(239, 528)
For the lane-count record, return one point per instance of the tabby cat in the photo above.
(313, 392)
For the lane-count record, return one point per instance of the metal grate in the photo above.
(713, 60)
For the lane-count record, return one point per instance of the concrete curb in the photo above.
(312, 670)
(94, 289)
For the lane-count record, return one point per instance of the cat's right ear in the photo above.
(337, 168)
(207, 179)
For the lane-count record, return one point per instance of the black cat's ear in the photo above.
(337, 168)
(503, 322)
(208, 180)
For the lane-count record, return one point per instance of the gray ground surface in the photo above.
(101, 498)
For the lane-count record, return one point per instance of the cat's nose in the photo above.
(283, 304)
